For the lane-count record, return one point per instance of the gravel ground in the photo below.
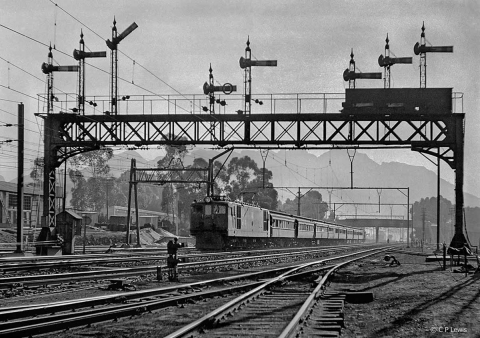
(415, 299)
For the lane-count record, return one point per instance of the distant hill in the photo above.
(332, 169)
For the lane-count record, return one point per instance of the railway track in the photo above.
(279, 290)
(264, 310)
(17, 264)
(200, 262)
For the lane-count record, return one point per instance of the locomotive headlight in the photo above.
(207, 199)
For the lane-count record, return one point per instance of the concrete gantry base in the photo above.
(458, 245)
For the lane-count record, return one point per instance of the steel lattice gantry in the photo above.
(440, 135)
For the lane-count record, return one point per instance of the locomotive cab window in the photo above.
(208, 209)
(197, 209)
(219, 209)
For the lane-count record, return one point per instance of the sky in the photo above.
(176, 41)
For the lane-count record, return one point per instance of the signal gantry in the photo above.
(423, 119)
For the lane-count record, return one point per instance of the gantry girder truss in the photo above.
(79, 132)
(440, 135)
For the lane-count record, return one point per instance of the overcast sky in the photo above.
(176, 41)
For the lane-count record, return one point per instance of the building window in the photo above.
(27, 202)
(12, 202)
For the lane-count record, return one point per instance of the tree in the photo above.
(95, 162)
(243, 179)
(37, 171)
(174, 156)
(149, 196)
(426, 209)
(173, 159)
(90, 193)
(311, 205)
(79, 190)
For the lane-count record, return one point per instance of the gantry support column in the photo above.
(459, 240)
(50, 160)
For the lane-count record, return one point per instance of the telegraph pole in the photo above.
(423, 224)
(21, 140)
(438, 201)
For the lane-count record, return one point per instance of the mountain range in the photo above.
(372, 182)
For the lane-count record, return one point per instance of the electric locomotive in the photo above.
(220, 224)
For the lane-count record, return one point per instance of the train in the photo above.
(220, 224)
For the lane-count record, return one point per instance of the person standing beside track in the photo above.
(172, 260)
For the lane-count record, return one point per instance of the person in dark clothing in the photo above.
(172, 260)
(172, 247)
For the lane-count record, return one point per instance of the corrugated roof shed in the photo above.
(12, 187)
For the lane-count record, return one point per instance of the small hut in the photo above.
(68, 225)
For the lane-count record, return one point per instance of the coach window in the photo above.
(265, 220)
(239, 216)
